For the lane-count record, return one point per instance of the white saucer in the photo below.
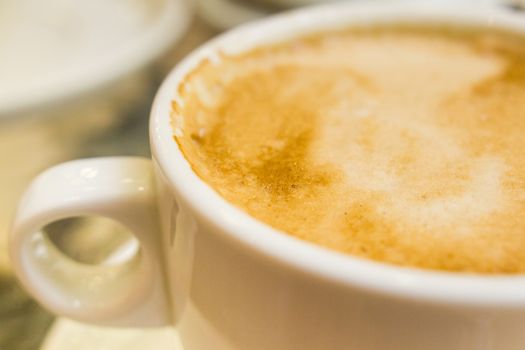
(68, 335)
(135, 50)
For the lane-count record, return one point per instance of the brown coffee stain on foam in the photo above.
(363, 217)
(283, 171)
(511, 78)
(258, 138)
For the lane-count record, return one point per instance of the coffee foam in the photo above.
(397, 144)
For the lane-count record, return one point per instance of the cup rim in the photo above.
(319, 262)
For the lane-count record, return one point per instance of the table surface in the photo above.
(30, 144)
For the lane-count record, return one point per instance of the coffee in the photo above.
(398, 143)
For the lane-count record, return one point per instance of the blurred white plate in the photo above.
(107, 40)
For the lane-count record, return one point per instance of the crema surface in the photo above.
(400, 144)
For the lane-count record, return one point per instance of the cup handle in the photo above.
(128, 294)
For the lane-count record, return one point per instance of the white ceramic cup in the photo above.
(228, 281)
